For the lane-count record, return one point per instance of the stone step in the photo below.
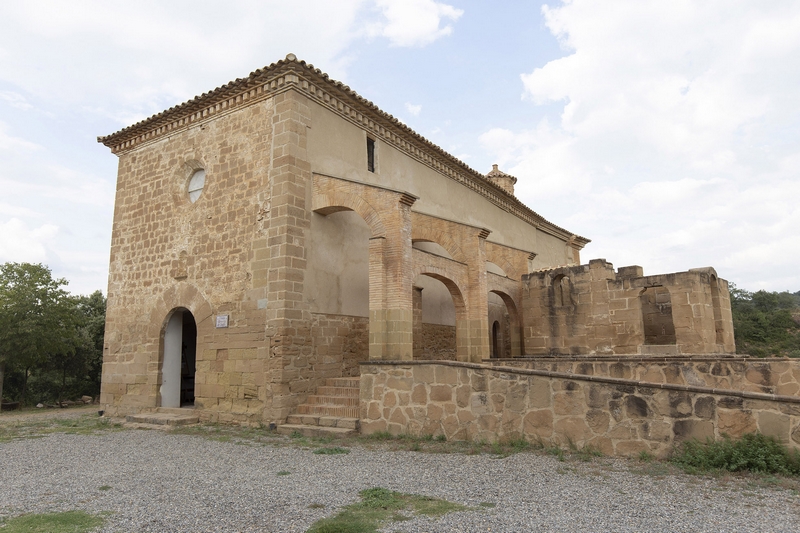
(349, 392)
(163, 419)
(316, 399)
(350, 383)
(316, 431)
(328, 410)
(189, 411)
(324, 421)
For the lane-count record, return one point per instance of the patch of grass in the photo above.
(645, 456)
(36, 427)
(104, 487)
(753, 452)
(487, 505)
(331, 450)
(283, 473)
(67, 522)
(381, 435)
(440, 438)
(379, 505)
(316, 506)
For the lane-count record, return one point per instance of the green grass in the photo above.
(104, 487)
(36, 427)
(67, 522)
(283, 473)
(378, 506)
(331, 450)
(753, 452)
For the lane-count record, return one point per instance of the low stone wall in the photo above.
(466, 401)
(770, 376)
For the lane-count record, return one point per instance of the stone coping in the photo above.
(643, 358)
(596, 379)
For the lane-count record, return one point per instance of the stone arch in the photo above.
(334, 201)
(457, 292)
(515, 320)
(421, 233)
(179, 297)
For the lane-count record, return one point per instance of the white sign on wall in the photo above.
(222, 321)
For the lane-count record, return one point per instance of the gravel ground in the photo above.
(170, 482)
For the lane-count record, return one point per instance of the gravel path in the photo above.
(167, 482)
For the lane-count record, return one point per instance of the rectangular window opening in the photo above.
(370, 155)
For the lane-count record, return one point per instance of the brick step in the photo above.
(316, 399)
(163, 419)
(328, 410)
(324, 421)
(316, 431)
(349, 392)
(350, 383)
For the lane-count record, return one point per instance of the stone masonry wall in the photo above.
(769, 376)
(167, 253)
(438, 343)
(466, 401)
(340, 343)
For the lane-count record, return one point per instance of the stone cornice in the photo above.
(293, 74)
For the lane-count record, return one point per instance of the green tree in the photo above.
(765, 323)
(37, 318)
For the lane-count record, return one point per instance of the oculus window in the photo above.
(196, 184)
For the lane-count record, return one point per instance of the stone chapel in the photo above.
(279, 238)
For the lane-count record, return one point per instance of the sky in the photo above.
(668, 133)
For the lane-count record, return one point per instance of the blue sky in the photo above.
(666, 132)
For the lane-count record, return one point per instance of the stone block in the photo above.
(538, 423)
(735, 422)
(774, 424)
(692, 429)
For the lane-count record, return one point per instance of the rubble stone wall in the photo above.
(594, 310)
(466, 401)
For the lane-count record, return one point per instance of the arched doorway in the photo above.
(659, 329)
(497, 351)
(178, 361)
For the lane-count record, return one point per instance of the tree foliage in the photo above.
(766, 324)
(50, 341)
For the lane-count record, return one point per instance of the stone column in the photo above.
(473, 335)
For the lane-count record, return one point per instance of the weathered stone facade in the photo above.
(280, 231)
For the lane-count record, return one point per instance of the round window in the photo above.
(196, 183)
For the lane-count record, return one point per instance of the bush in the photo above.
(754, 452)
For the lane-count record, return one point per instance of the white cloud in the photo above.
(414, 22)
(15, 100)
(413, 109)
(20, 244)
(7, 142)
(137, 59)
(677, 142)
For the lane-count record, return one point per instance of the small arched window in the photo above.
(196, 184)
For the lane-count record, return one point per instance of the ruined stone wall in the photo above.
(207, 256)
(591, 309)
(770, 376)
(438, 343)
(466, 401)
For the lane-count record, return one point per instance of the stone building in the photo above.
(275, 235)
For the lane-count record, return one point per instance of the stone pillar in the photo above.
(474, 333)
(288, 316)
(391, 277)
